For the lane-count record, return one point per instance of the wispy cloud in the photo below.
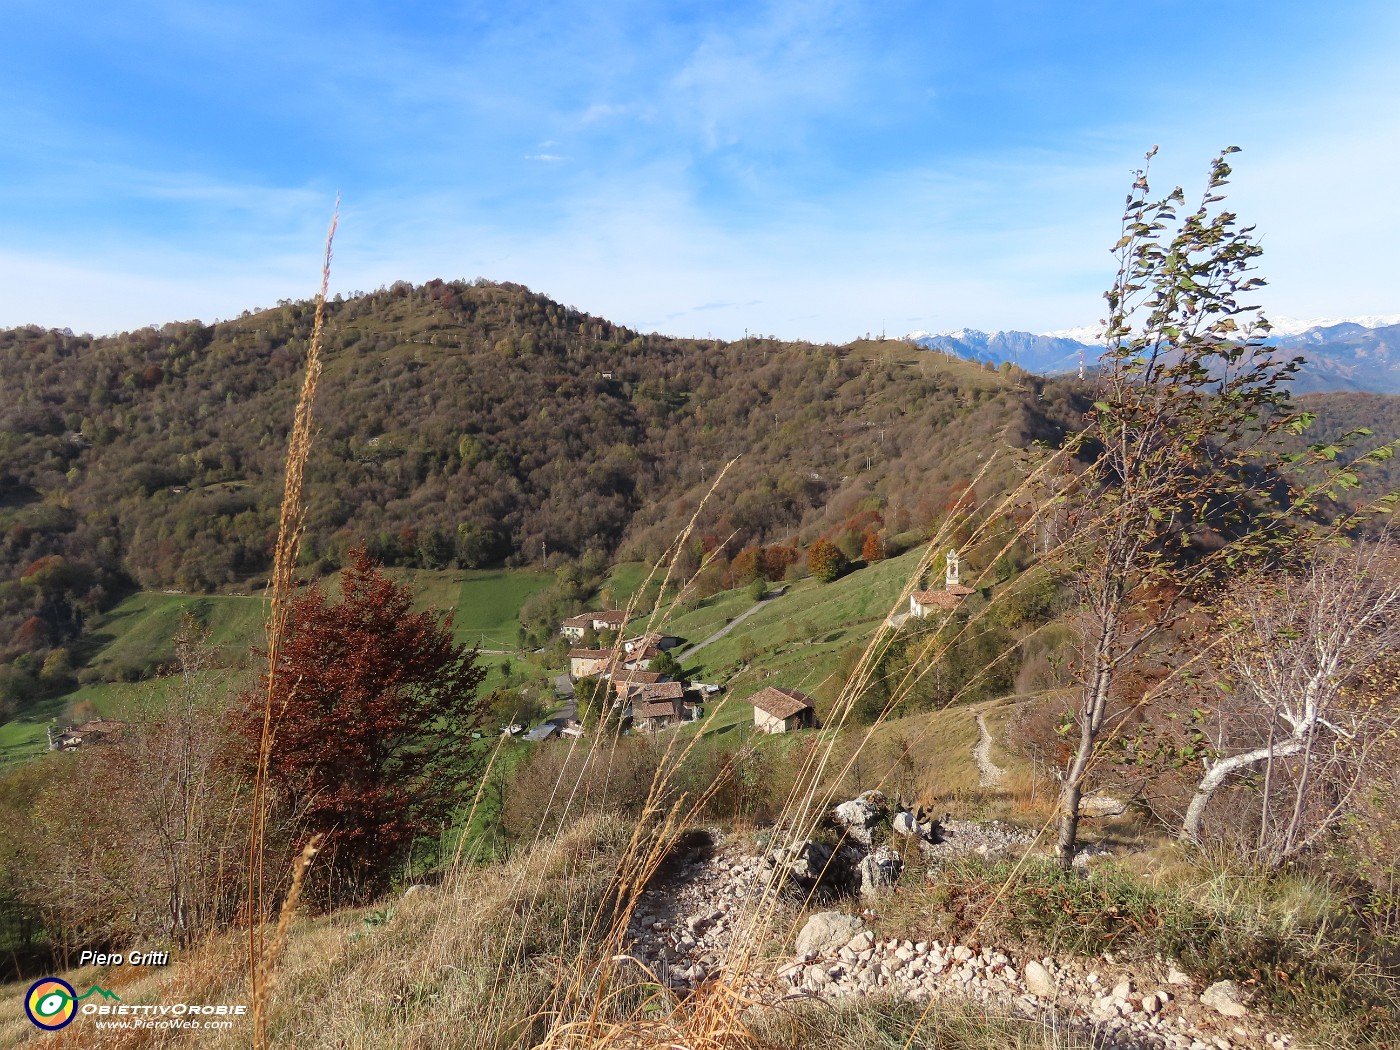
(809, 169)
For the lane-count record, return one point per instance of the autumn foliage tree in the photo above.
(872, 550)
(825, 560)
(373, 717)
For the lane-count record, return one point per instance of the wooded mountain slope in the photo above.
(467, 423)
(457, 422)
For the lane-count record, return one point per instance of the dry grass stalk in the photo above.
(290, 525)
(716, 1015)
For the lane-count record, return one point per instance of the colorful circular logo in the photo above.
(51, 1003)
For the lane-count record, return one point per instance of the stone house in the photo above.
(97, 731)
(575, 627)
(659, 705)
(586, 662)
(780, 710)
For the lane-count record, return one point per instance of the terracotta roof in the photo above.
(779, 702)
(589, 654)
(655, 709)
(938, 599)
(960, 588)
(584, 620)
(651, 652)
(617, 616)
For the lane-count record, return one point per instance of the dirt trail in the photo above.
(988, 772)
(732, 624)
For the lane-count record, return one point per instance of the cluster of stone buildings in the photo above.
(652, 700)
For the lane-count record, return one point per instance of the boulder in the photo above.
(807, 861)
(1038, 980)
(905, 824)
(860, 816)
(827, 931)
(1101, 806)
(1225, 997)
(879, 871)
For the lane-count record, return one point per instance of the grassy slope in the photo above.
(798, 637)
(484, 602)
(138, 633)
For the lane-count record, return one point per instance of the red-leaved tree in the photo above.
(373, 722)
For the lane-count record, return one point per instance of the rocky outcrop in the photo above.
(827, 931)
(1225, 997)
(878, 871)
(689, 921)
(860, 817)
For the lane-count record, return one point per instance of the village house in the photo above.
(575, 627)
(584, 663)
(651, 640)
(640, 659)
(659, 705)
(97, 731)
(779, 710)
(628, 684)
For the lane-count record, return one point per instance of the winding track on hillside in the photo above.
(988, 772)
(731, 624)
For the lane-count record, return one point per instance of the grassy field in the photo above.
(795, 640)
(489, 601)
(484, 602)
(135, 638)
(625, 579)
(138, 632)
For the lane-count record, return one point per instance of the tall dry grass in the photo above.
(262, 956)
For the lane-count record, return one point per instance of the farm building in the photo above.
(576, 627)
(779, 710)
(659, 705)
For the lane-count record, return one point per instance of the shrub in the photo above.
(825, 560)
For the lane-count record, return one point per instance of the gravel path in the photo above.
(988, 772)
(729, 626)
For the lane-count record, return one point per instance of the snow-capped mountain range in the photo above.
(1357, 353)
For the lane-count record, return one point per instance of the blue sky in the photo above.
(812, 170)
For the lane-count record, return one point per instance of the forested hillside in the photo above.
(467, 424)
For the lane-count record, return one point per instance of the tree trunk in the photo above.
(1221, 771)
(1094, 707)
(1068, 841)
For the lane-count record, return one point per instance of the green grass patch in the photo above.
(796, 640)
(485, 603)
(626, 578)
(488, 605)
(137, 635)
(23, 739)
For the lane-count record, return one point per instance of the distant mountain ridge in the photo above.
(1360, 354)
